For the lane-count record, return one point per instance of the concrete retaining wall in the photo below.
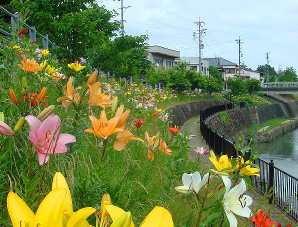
(241, 119)
(182, 113)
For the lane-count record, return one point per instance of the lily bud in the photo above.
(5, 129)
(219, 173)
(46, 112)
(24, 83)
(114, 103)
(92, 78)
(123, 221)
(2, 116)
(19, 124)
(42, 94)
(184, 189)
(13, 96)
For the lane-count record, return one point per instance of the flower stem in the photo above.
(18, 141)
(104, 149)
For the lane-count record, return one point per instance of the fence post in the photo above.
(32, 34)
(271, 180)
(45, 42)
(247, 155)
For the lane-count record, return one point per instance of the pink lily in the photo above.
(201, 151)
(5, 129)
(46, 138)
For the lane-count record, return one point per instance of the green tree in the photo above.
(288, 75)
(213, 71)
(237, 86)
(264, 70)
(212, 84)
(124, 56)
(177, 78)
(253, 85)
(74, 26)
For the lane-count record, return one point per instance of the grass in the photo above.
(269, 124)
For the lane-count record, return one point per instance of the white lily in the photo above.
(235, 201)
(192, 182)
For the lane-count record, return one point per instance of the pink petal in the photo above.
(60, 148)
(49, 125)
(34, 123)
(66, 138)
(33, 138)
(42, 158)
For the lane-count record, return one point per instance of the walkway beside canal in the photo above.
(277, 214)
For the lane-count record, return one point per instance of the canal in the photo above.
(283, 150)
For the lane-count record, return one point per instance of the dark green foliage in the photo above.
(289, 75)
(253, 85)
(125, 56)
(213, 71)
(74, 26)
(237, 85)
(264, 69)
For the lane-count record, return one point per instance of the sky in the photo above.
(263, 26)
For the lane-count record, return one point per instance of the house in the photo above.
(193, 63)
(163, 56)
(230, 69)
(227, 68)
(249, 74)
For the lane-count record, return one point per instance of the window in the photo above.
(193, 68)
(169, 64)
(158, 61)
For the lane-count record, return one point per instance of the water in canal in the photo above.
(283, 150)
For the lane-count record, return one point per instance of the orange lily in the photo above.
(122, 116)
(97, 98)
(122, 138)
(91, 78)
(103, 127)
(29, 65)
(34, 99)
(152, 143)
(164, 147)
(70, 94)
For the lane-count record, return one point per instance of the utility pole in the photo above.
(268, 71)
(200, 32)
(240, 52)
(122, 16)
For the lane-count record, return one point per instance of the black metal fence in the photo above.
(283, 186)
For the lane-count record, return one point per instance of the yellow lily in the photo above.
(50, 70)
(45, 52)
(103, 127)
(76, 66)
(49, 213)
(71, 218)
(158, 217)
(247, 169)
(222, 163)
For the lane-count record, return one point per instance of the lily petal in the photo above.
(78, 219)
(158, 217)
(18, 210)
(50, 211)
(115, 212)
(60, 182)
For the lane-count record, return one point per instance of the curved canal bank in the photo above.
(283, 150)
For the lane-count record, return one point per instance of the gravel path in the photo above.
(277, 214)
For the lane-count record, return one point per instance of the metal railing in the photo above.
(282, 186)
(15, 21)
(280, 85)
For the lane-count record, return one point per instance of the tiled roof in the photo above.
(219, 62)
